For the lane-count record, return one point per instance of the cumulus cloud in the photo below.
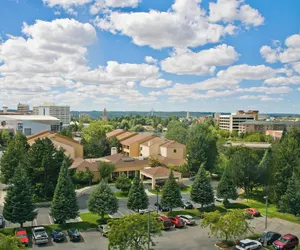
(290, 54)
(66, 3)
(155, 83)
(185, 61)
(263, 98)
(247, 72)
(234, 10)
(103, 4)
(185, 24)
(283, 80)
(150, 59)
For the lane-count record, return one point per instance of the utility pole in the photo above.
(266, 220)
(148, 230)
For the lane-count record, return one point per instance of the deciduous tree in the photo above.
(137, 197)
(114, 142)
(171, 196)
(177, 131)
(131, 231)
(102, 200)
(64, 205)
(18, 202)
(105, 169)
(9, 242)
(15, 153)
(231, 225)
(123, 183)
(202, 191)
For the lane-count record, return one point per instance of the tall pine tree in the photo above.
(15, 153)
(103, 200)
(171, 196)
(137, 197)
(18, 203)
(64, 205)
(202, 191)
(226, 188)
(290, 201)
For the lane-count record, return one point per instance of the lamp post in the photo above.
(266, 220)
(157, 188)
(149, 229)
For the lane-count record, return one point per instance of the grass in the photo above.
(153, 191)
(92, 218)
(121, 195)
(186, 189)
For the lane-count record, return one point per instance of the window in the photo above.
(174, 150)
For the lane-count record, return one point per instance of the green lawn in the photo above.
(187, 189)
(153, 191)
(121, 195)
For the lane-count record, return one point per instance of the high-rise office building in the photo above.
(60, 112)
(23, 108)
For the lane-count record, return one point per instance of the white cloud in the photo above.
(290, 54)
(150, 59)
(247, 72)
(184, 25)
(267, 90)
(155, 83)
(66, 3)
(283, 80)
(234, 10)
(103, 4)
(185, 61)
(263, 98)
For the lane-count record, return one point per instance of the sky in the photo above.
(166, 55)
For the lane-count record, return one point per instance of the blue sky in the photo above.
(170, 55)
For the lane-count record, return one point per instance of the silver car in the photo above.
(188, 220)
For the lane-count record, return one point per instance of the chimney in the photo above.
(5, 109)
(114, 151)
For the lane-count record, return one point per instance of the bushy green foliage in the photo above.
(9, 242)
(226, 187)
(123, 183)
(105, 169)
(177, 131)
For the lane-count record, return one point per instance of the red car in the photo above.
(21, 234)
(252, 211)
(177, 221)
(287, 241)
(166, 222)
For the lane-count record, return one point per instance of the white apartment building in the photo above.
(50, 109)
(232, 122)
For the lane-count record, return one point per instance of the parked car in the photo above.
(2, 221)
(253, 211)
(269, 237)
(58, 235)
(161, 207)
(286, 242)
(187, 204)
(39, 236)
(219, 199)
(248, 245)
(189, 220)
(143, 211)
(177, 221)
(167, 224)
(103, 229)
(21, 234)
(73, 234)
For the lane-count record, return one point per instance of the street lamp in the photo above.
(157, 189)
(149, 230)
(266, 219)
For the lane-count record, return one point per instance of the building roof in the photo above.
(155, 141)
(270, 123)
(137, 138)
(170, 162)
(115, 133)
(32, 117)
(159, 172)
(51, 135)
(172, 144)
(125, 136)
(259, 145)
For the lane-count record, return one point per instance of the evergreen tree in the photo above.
(290, 201)
(123, 183)
(64, 205)
(202, 191)
(137, 197)
(103, 200)
(226, 188)
(171, 196)
(15, 153)
(18, 203)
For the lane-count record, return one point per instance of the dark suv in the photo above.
(269, 237)
(161, 207)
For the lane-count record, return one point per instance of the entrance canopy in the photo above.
(158, 173)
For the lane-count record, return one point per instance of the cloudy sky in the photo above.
(196, 55)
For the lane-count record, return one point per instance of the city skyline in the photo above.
(216, 56)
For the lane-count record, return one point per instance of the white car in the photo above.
(189, 220)
(248, 245)
(219, 199)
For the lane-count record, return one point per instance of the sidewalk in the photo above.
(149, 193)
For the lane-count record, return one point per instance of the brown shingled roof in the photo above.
(159, 172)
(115, 133)
(172, 144)
(170, 162)
(137, 138)
(125, 136)
(154, 141)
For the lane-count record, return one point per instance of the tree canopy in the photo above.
(131, 231)
(9, 242)
(226, 188)
(123, 183)
(105, 169)
(177, 131)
